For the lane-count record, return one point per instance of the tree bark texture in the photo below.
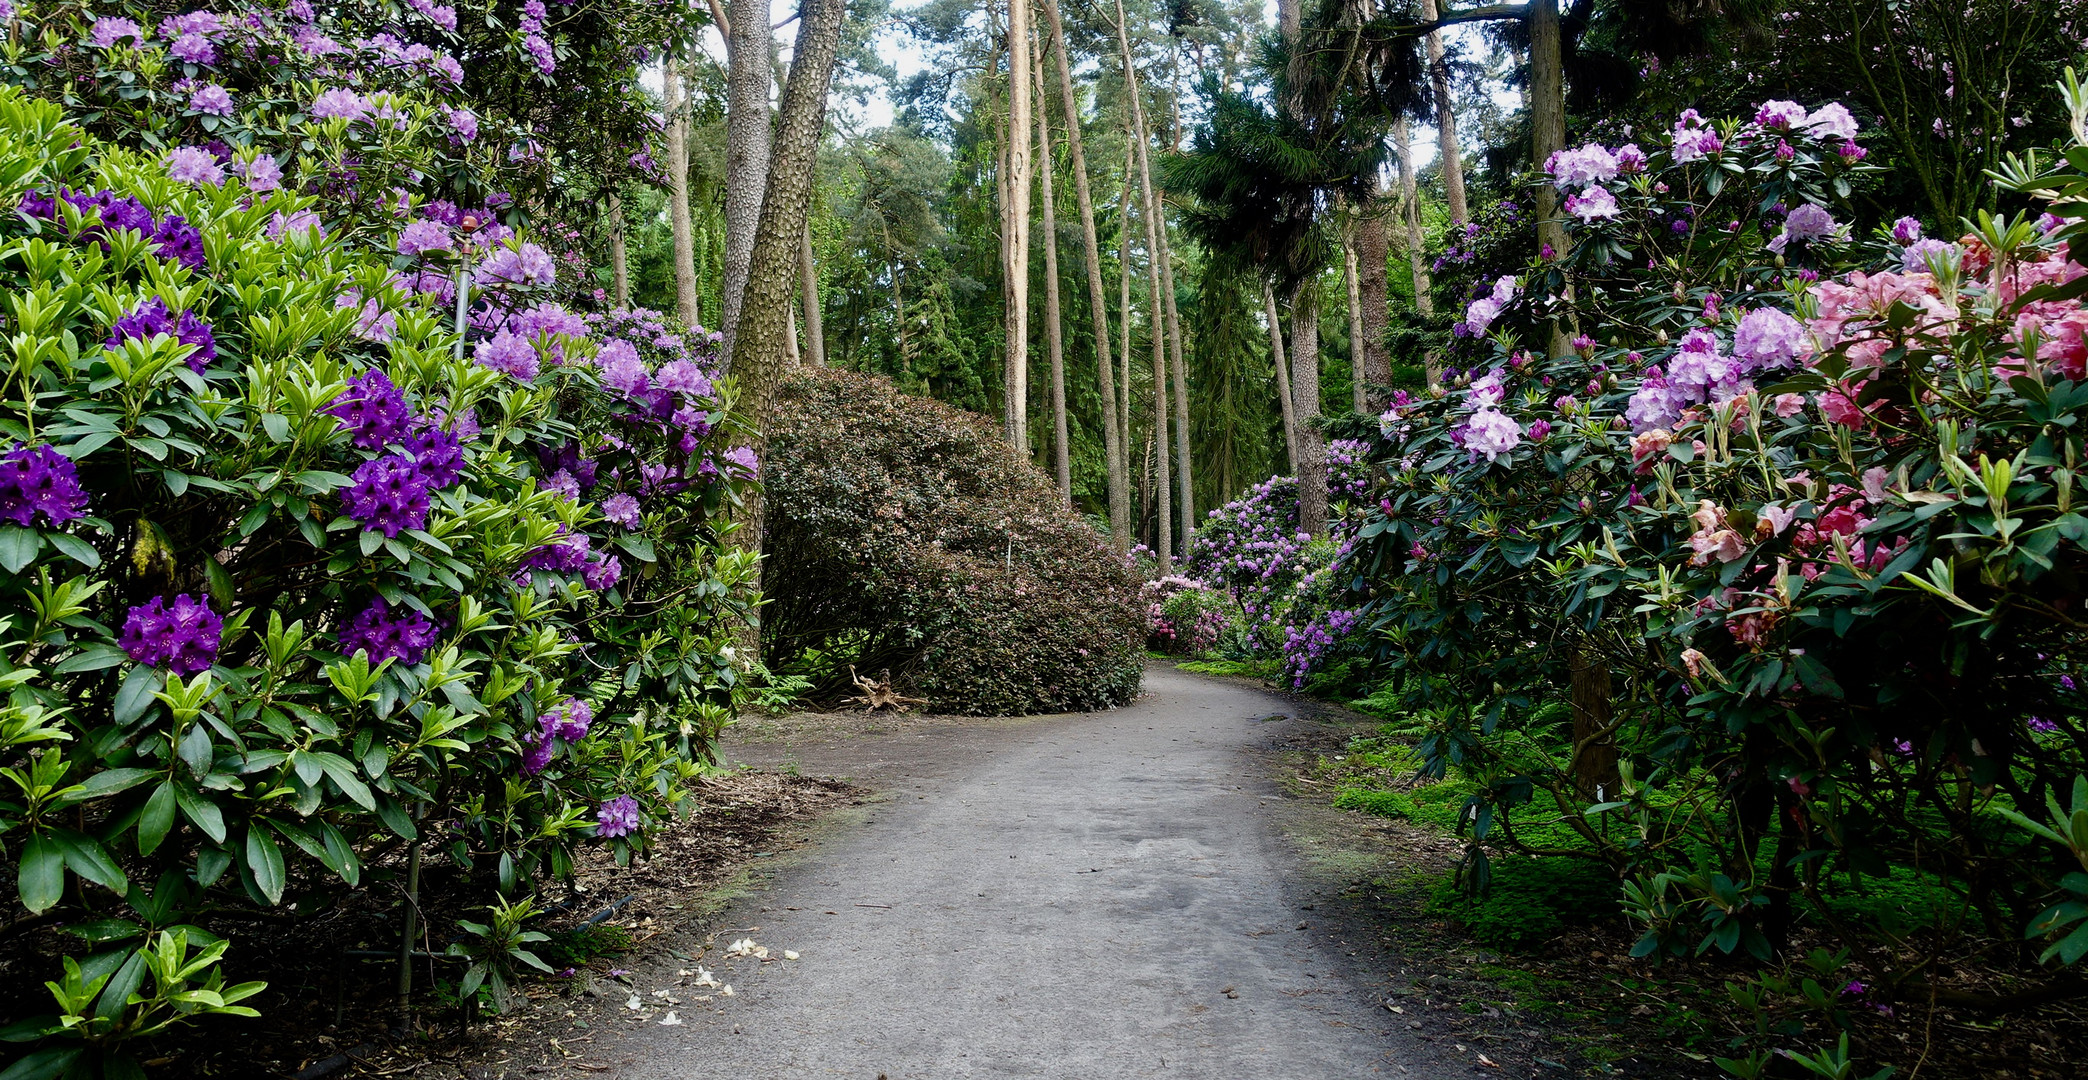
(1155, 328)
(619, 253)
(1124, 298)
(1595, 758)
(1548, 133)
(1305, 402)
(763, 319)
(1373, 246)
(1015, 232)
(1054, 318)
(749, 141)
(1283, 390)
(808, 287)
(1355, 321)
(680, 222)
(1446, 122)
(1115, 444)
(1410, 214)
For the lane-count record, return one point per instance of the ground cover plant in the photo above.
(903, 535)
(333, 538)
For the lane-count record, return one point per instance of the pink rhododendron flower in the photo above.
(194, 166)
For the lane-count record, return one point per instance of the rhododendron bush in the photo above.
(1788, 515)
(329, 533)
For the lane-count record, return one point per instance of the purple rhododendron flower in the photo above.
(405, 638)
(568, 720)
(194, 166)
(388, 495)
(1831, 121)
(1906, 230)
(419, 237)
(560, 483)
(183, 638)
(565, 556)
(1810, 221)
(109, 30)
(40, 480)
(527, 265)
(682, 377)
(1490, 432)
(541, 749)
(262, 173)
(1915, 260)
(622, 510)
(372, 410)
(602, 572)
(339, 104)
(744, 459)
(1780, 115)
(462, 122)
(300, 221)
(1592, 204)
(1768, 337)
(1591, 164)
(510, 354)
(194, 49)
(621, 369)
(438, 454)
(212, 99)
(618, 817)
(152, 317)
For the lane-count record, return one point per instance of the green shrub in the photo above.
(1529, 900)
(904, 534)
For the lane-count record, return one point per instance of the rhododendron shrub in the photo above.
(905, 535)
(1789, 519)
(303, 565)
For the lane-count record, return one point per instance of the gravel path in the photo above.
(1085, 896)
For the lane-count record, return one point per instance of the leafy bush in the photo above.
(309, 557)
(904, 534)
(1791, 524)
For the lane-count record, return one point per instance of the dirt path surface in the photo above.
(1084, 896)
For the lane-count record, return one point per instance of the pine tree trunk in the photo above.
(748, 144)
(1156, 321)
(1167, 323)
(1015, 216)
(1410, 213)
(619, 253)
(1124, 298)
(1115, 445)
(1283, 390)
(1372, 247)
(1305, 402)
(1054, 320)
(808, 287)
(1355, 320)
(1548, 135)
(1446, 122)
(779, 231)
(678, 198)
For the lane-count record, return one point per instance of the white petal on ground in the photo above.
(670, 1020)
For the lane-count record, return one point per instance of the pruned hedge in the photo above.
(903, 534)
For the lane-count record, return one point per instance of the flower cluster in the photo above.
(372, 410)
(405, 637)
(39, 481)
(182, 638)
(151, 318)
(617, 817)
(172, 237)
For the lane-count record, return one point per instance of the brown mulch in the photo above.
(330, 1010)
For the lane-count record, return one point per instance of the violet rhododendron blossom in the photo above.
(436, 453)
(1780, 115)
(1490, 432)
(1768, 338)
(1831, 121)
(423, 236)
(295, 223)
(1589, 164)
(261, 173)
(1809, 221)
(1592, 204)
(194, 166)
(151, 318)
(404, 638)
(339, 104)
(617, 817)
(371, 410)
(1919, 254)
(388, 495)
(38, 481)
(211, 99)
(525, 264)
(1695, 139)
(1481, 313)
(109, 31)
(505, 352)
(182, 637)
(622, 510)
(568, 720)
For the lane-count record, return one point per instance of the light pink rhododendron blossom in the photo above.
(1593, 204)
(1481, 313)
(1492, 433)
(1714, 538)
(1590, 164)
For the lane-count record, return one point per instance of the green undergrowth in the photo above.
(1249, 669)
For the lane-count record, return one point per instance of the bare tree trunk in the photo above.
(1015, 218)
(780, 229)
(1156, 321)
(808, 286)
(678, 198)
(1410, 211)
(1124, 300)
(1054, 321)
(1305, 402)
(1283, 390)
(1167, 324)
(1372, 247)
(1446, 121)
(748, 142)
(791, 353)
(1548, 134)
(619, 253)
(1115, 444)
(1355, 321)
